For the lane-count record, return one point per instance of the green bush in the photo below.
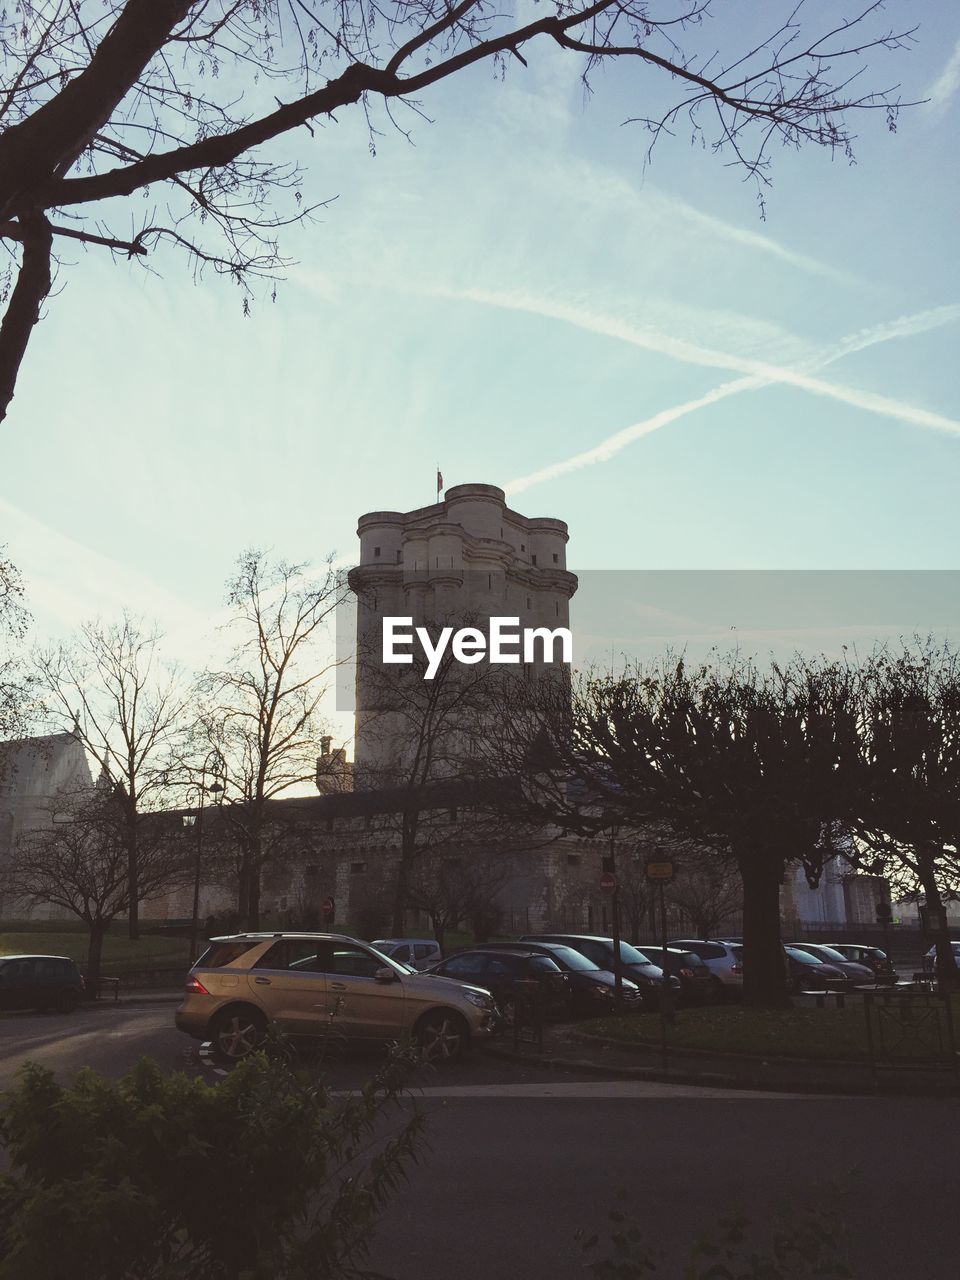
(166, 1177)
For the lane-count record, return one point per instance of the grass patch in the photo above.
(797, 1033)
(120, 955)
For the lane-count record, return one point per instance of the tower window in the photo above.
(573, 859)
(523, 546)
(357, 868)
(489, 581)
(528, 602)
(556, 558)
(556, 606)
(398, 557)
(533, 559)
(376, 551)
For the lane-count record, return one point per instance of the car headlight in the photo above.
(600, 990)
(478, 998)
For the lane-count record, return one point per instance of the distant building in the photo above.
(33, 772)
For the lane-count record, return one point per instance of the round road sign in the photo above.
(608, 882)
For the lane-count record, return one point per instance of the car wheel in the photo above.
(67, 1001)
(442, 1036)
(235, 1033)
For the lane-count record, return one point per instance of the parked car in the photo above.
(696, 981)
(806, 973)
(873, 957)
(417, 953)
(723, 959)
(508, 975)
(308, 984)
(636, 966)
(859, 974)
(930, 958)
(40, 982)
(592, 989)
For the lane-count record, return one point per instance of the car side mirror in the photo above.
(386, 974)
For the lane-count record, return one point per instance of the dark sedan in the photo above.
(510, 976)
(858, 974)
(696, 981)
(873, 957)
(635, 965)
(806, 973)
(40, 982)
(592, 989)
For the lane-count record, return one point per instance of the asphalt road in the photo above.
(520, 1158)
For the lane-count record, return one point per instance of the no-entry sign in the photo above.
(608, 882)
(329, 908)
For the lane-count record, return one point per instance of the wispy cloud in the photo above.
(943, 90)
(762, 375)
(748, 239)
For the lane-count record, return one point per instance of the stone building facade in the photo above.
(33, 772)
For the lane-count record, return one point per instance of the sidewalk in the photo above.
(565, 1048)
(128, 998)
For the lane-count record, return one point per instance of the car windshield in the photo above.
(571, 959)
(829, 953)
(803, 956)
(390, 962)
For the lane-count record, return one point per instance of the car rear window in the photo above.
(220, 954)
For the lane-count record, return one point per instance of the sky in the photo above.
(516, 296)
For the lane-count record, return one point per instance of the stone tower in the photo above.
(468, 558)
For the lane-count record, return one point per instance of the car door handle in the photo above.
(338, 986)
(262, 982)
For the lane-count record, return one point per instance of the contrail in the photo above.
(767, 375)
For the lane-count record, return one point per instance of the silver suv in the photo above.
(308, 984)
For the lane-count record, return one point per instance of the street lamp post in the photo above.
(191, 820)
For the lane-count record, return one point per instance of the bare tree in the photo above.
(103, 100)
(453, 888)
(707, 890)
(261, 711)
(80, 864)
(14, 621)
(110, 689)
(424, 736)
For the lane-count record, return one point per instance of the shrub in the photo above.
(166, 1177)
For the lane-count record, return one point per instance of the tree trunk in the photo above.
(98, 930)
(948, 976)
(133, 890)
(764, 968)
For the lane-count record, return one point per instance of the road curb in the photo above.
(719, 1080)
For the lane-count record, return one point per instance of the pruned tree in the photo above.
(110, 688)
(79, 863)
(260, 712)
(177, 103)
(14, 677)
(749, 763)
(907, 813)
